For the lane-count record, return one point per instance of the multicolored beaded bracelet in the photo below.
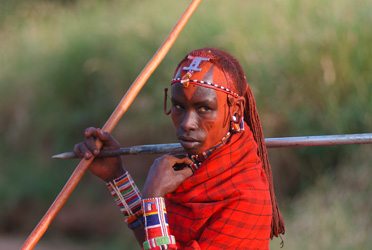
(133, 221)
(127, 197)
(160, 243)
(156, 225)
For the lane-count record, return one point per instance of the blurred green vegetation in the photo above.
(64, 66)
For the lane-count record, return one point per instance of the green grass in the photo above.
(336, 212)
(64, 66)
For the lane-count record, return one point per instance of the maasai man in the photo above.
(218, 196)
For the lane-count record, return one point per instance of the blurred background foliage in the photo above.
(64, 66)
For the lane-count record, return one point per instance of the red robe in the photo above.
(226, 204)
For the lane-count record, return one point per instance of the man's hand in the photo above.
(107, 168)
(166, 174)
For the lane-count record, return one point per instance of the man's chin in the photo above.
(191, 147)
(190, 151)
(193, 151)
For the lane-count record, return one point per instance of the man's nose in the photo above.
(190, 121)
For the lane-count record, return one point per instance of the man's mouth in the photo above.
(188, 142)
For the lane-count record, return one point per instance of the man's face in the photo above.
(200, 116)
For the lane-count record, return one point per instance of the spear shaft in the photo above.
(124, 104)
(283, 142)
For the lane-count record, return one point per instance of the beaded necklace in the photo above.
(199, 158)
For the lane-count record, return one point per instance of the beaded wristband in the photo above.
(128, 198)
(133, 221)
(160, 243)
(156, 225)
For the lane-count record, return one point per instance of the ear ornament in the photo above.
(235, 127)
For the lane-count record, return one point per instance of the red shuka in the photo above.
(226, 204)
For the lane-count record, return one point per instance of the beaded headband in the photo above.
(207, 85)
(193, 69)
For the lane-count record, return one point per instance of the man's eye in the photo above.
(204, 109)
(177, 106)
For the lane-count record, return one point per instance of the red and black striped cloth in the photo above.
(226, 204)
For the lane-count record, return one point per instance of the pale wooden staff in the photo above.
(110, 125)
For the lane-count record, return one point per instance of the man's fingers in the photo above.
(77, 151)
(179, 159)
(91, 131)
(90, 143)
(82, 151)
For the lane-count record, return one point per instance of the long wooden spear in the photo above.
(110, 125)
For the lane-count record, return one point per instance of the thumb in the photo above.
(107, 139)
(103, 136)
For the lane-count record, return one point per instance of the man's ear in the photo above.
(236, 108)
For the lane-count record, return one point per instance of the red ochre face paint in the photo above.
(199, 115)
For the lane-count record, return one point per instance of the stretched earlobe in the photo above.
(236, 112)
(236, 105)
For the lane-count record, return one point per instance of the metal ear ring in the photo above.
(234, 126)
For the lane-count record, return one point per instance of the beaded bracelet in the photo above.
(160, 243)
(156, 225)
(128, 198)
(133, 221)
